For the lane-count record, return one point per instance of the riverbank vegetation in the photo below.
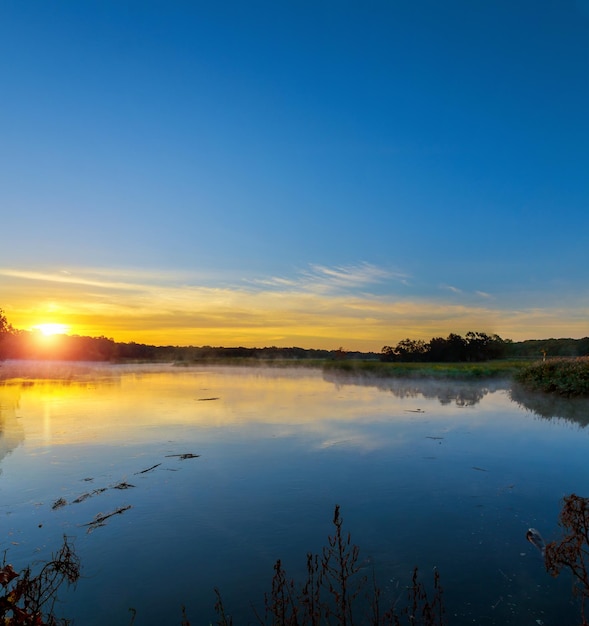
(564, 377)
(571, 551)
(453, 371)
(28, 599)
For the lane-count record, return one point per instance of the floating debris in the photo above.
(187, 455)
(101, 518)
(81, 498)
(479, 469)
(85, 496)
(435, 438)
(59, 503)
(535, 538)
(414, 411)
(87, 480)
(207, 399)
(148, 469)
(123, 485)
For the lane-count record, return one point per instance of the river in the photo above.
(227, 469)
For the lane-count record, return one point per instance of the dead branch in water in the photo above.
(123, 485)
(100, 518)
(148, 469)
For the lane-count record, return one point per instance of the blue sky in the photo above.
(320, 174)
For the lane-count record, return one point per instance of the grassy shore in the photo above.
(566, 377)
(454, 371)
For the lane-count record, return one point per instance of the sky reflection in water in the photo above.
(429, 474)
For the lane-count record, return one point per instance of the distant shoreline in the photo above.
(568, 377)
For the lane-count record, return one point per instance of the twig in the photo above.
(99, 519)
(148, 469)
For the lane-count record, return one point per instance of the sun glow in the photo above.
(52, 329)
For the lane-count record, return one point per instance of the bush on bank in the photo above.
(564, 377)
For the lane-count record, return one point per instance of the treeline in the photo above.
(475, 346)
(478, 346)
(539, 348)
(34, 346)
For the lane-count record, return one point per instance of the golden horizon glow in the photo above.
(322, 308)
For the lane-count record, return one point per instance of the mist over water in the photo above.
(427, 473)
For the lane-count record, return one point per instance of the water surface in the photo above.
(439, 475)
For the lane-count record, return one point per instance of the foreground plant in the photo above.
(29, 600)
(337, 592)
(572, 550)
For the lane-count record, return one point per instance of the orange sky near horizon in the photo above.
(320, 314)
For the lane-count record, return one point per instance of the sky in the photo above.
(320, 174)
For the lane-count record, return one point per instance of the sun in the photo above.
(52, 329)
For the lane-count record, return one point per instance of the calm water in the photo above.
(435, 475)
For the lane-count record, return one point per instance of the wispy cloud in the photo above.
(451, 288)
(350, 277)
(461, 292)
(324, 279)
(115, 278)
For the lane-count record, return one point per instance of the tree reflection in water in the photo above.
(549, 406)
(461, 393)
(469, 393)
